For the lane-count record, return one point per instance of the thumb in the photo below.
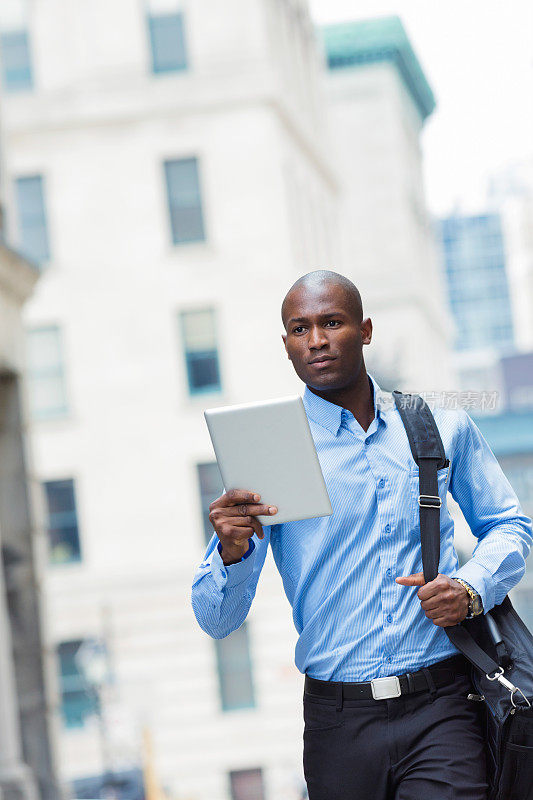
(412, 580)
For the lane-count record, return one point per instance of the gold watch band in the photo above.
(472, 594)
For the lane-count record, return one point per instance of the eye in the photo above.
(295, 330)
(336, 321)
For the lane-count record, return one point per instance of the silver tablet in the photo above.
(267, 447)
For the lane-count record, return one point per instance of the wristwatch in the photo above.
(475, 603)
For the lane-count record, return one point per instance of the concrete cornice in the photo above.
(17, 276)
(357, 44)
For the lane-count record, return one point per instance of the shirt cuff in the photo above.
(226, 576)
(480, 579)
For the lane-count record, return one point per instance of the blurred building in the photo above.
(510, 436)
(26, 683)
(474, 260)
(511, 195)
(474, 254)
(169, 168)
(488, 264)
(378, 100)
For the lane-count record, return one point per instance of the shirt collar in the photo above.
(329, 415)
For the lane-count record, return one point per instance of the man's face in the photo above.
(321, 324)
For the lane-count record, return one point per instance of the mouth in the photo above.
(321, 362)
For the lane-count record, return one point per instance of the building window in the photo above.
(16, 61)
(235, 670)
(78, 701)
(201, 352)
(247, 784)
(184, 201)
(33, 232)
(211, 487)
(46, 381)
(167, 42)
(63, 534)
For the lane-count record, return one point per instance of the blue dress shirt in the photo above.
(354, 621)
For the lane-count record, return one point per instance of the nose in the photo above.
(317, 338)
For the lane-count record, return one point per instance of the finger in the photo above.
(235, 496)
(256, 525)
(237, 521)
(438, 612)
(219, 515)
(239, 534)
(443, 622)
(247, 508)
(432, 604)
(254, 509)
(417, 579)
(244, 522)
(431, 589)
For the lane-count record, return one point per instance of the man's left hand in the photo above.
(444, 600)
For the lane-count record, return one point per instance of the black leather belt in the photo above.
(440, 674)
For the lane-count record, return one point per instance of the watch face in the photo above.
(477, 605)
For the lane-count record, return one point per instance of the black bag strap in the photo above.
(428, 452)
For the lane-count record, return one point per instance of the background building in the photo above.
(474, 259)
(510, 435)
(488, 262)
(474, 253)
(510, 193)
(378, 100)
(26, 681)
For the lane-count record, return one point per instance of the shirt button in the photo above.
(389, 617)
(367, 441)
(389, 573)
(389, 659)
(387, 528)
(381, 482)
(223, 573)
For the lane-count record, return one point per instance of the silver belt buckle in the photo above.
(384, 688)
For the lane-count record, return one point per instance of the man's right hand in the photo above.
(232, 515)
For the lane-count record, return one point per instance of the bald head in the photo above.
(326, 277)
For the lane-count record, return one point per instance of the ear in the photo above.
(366, 330)
(284, 337)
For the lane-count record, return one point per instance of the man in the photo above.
(355, 581)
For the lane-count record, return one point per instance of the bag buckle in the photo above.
(498, 676)
(429, 501)
(384, 688)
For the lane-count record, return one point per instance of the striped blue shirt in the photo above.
(354, 621)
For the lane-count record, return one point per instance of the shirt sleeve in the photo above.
(222, 595)
(493, 512)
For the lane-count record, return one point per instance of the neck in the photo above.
(356, 398)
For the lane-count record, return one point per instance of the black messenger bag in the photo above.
(498, 644)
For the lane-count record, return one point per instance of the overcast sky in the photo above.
(478, 58)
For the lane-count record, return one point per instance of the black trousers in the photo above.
(422, 746)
